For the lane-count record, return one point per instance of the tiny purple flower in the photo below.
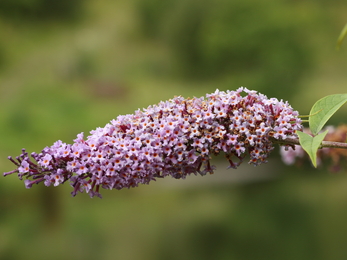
(45, 160)
(24, 168)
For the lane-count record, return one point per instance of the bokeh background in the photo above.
(70, 66)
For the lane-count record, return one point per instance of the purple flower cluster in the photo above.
(176, 137)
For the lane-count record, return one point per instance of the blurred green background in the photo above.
(70, 66)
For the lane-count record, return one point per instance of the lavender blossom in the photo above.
(176, 137)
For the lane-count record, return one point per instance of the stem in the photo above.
(295, 141)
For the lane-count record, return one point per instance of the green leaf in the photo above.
(341, 37)
(311, 144)
(323, 109)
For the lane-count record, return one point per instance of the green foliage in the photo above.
(320, 113)
(40, 9)
(323, 109)
(311, 144)
(256, 43)
(341, 37)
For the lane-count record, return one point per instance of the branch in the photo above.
(295, 141)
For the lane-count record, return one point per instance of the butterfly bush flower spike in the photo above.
(176, 137)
